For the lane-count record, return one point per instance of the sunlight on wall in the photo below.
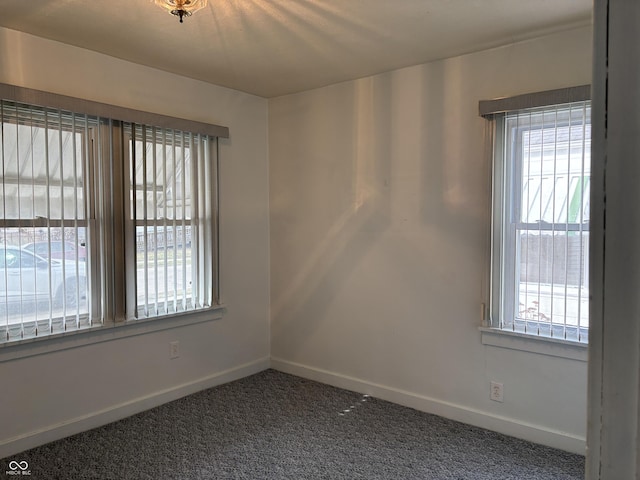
(357, 164)
(11, 57)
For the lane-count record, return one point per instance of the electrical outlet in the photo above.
(174, 349)
(497, 392)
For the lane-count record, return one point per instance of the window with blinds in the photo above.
(541, 219)
(170, 223)
(102, 222)
(46, 219)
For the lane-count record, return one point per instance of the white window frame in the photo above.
(60, 136)
(170, 225)
(499, 329)
(109, 285)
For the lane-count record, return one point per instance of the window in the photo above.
(45, 202)
(540, 239)
(103, 222)
(170, 218)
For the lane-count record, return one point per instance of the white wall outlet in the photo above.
(174, 349)
(497, 392)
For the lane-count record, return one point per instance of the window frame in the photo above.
(110, 288)
(202, 221)
(19, 114)
(503, 208)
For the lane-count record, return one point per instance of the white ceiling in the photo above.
(275, 47)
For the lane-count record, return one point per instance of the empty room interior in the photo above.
(348, 229)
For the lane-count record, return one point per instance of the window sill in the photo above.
(528, 343)
(63, 341)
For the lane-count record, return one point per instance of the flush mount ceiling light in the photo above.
(181, 8)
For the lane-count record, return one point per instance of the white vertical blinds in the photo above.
(171, 215)
(45, 221)
(102, 221)
(545, 231)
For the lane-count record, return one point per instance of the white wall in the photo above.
(380, 207)
(50, 395)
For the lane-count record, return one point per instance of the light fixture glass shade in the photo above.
(181, 8)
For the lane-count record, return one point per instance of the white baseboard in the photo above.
(508, 426)
(15, 445)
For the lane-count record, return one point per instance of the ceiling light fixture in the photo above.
(181, 8)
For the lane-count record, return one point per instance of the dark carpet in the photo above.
(277, 426)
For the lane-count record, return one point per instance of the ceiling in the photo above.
(276, 47)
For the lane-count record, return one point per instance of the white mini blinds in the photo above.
(102, 222)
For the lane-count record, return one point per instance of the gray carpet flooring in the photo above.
(277, 426)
